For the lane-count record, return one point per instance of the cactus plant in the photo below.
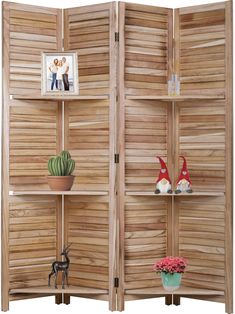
(61, 165)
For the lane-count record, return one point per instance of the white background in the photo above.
(86, 306)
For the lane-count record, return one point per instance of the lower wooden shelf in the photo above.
(50, 192)
(52, 290)
(181, 291)
(196, 193)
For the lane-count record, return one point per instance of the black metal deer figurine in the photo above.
(62, 266)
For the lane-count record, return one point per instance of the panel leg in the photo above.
(120, 301)
(168, 299)
(176, 299)
(5, 305)
(58, 298)
(66, 299)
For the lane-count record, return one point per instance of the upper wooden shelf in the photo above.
(52, 290)
(58, 98)
(181, 291)
(197, 193)
(50, 192)
(176, 98)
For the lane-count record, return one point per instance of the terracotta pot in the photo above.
(60, 183)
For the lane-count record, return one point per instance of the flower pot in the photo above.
(60, 183)
(171, 282)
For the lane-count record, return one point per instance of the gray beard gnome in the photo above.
(183, 183)
(163, 182)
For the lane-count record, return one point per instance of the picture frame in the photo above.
(59, 74)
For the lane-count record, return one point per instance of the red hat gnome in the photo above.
(163, 182)
(183, 183)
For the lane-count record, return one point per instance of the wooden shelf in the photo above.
(173, 194)
(49, 192)
(52, 290)
(58, 98)
(181, 291)
(176, 98)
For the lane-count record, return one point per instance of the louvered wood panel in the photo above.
(32, 30)
(146, 136)
(148, 49)
(87, 31)
(87, 139)
(34, 129)
(201, 138)
(145, 240)
(202, 241)
(87, 225)
(201, 43)
(32, 240)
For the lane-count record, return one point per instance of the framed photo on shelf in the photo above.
(59, 74)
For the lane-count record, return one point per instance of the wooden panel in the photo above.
(33, 30)
(88, 230)
(201, 44)
(148, 49)
(146, 136)
(202, 241)
(32, 240)
(201, 139)
(87, 32)
(34, 128)
(87, 139)
(145, 240)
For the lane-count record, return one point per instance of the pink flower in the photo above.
(170, 264)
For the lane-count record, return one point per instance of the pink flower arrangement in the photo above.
(171, 265)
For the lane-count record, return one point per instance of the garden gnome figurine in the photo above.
(183, 183)
(163, 182)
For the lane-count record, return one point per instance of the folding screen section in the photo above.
(145, 131)
(195, 124)
(203, 135)
(30, 223)
(90, 137)
(38, 129)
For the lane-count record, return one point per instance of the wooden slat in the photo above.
(5, 163)
(229, 160)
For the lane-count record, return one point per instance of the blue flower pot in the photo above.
(171, 282)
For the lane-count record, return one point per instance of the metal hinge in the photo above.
(116, 158)
(116, 282)
(116, 36)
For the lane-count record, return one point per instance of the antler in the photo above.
(68, 246)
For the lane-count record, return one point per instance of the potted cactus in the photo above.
(61, 168)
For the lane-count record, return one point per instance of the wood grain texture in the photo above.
(33, 30)
(87, 225)
(112, 151)
(5, 165)
(32, 240)
(200, 49)
(229, 160)
(87, 139)
(148, 49)
(87, 31)
(146, 221)
(201, 235)
(201, 139)
(34, 139)
(121, 149)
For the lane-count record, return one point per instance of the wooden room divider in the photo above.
(122, 118)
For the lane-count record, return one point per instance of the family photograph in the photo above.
(60, 73)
